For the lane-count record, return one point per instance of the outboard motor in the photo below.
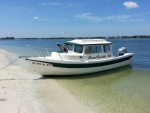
(122, 51)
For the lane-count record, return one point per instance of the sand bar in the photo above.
(24, 91)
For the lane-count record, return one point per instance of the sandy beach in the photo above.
(24, 91)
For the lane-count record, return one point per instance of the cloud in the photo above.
(125, 18)
(130, 5)
(51, 4)
(49, 20)
(119, 18)
(46, 4)
(88, 16)
(36, 18)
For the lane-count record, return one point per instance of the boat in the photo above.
(80, 56)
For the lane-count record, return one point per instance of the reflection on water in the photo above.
(121, 90)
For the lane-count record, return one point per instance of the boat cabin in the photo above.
(84, 50)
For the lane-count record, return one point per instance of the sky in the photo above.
(74, 18)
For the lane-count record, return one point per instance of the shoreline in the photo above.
(23, 90)
(80, 37)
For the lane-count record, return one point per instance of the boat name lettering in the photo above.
(95, 57)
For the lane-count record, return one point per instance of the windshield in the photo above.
(69, 47)
(62, 47)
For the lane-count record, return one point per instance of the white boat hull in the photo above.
(69, 68)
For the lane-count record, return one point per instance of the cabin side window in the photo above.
(78, 48)
(92, 49)
(106, 48)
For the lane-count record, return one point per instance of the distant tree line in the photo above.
(7, 38)
(136, 36)
(97, 37)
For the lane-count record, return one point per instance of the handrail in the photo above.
(60, 56)
(38, 51)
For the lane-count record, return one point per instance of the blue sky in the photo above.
(74, 18)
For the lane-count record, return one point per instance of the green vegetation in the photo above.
(98, 37)
(7, 38)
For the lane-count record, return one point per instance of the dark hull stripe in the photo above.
(62, 65)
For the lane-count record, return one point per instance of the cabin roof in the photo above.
(88, 41)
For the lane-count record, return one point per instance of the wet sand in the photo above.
(24, 91)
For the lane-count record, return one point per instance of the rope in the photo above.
(9, 64)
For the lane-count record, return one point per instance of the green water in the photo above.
(122, 90)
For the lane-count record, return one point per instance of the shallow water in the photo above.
(122, 90)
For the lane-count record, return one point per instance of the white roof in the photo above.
(88, 41)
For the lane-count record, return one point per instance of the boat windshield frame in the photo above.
(62, 47)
